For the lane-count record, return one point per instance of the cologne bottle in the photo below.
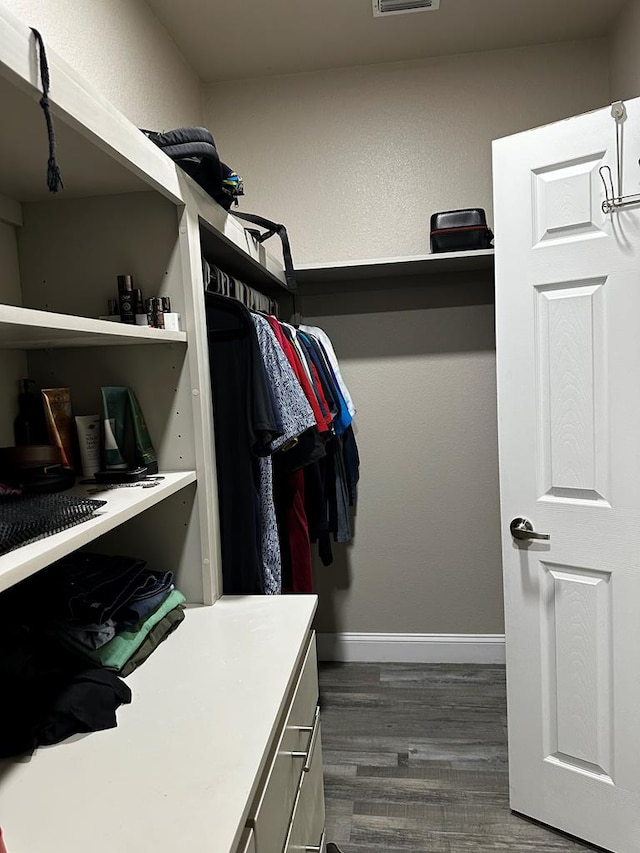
(126, 299)
(155, 312)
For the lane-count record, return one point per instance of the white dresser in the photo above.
(217, 753)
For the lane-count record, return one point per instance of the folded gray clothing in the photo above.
(92, 636)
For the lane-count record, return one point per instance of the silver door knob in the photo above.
(521, 528)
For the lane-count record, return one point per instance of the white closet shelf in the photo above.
(27, 328)
(393, 268)
(122, 504)
(183, 765)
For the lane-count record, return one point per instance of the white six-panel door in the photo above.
(568, 348)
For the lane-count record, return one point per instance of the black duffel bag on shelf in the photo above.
(194, 150)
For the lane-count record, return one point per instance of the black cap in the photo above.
(125, 282)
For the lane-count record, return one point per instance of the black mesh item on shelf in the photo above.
(25, 518)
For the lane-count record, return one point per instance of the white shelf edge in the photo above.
(122, 504)
(52, 330)
(414, 265)
(399, 261)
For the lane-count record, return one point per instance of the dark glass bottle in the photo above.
(30, 426)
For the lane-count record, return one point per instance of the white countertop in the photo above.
(182, 767)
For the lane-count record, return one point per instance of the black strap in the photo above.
(281, 231)
(54, 179)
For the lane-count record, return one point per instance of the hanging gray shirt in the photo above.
(293, 411)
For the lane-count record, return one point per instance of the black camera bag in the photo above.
(460, 230)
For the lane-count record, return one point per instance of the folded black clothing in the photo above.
(87, 704)
(96, 586)
(83, 587)
(48, 694)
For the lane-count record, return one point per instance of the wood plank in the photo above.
(378, 833)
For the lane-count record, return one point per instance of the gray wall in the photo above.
(624, 54)
(354, 162)
(120, 47)
(420, 362)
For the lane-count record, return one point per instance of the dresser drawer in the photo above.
(306, 832)
(271, 815)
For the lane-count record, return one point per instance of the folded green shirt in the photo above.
(117, 651)
(158, 634)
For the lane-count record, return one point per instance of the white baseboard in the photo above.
(412, 648)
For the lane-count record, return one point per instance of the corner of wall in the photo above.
(125, 52)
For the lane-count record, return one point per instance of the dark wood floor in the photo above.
(416, 760)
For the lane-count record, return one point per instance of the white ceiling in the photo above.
(232, 39)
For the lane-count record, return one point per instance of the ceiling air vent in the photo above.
(401, 7)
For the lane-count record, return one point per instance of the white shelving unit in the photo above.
(210, 707)
(125, 208)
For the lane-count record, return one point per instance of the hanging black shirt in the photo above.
(245, 426)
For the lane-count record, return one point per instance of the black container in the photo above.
(155, 312)
(460, 230)
(126, 299)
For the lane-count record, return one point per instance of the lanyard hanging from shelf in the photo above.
(54, 179)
